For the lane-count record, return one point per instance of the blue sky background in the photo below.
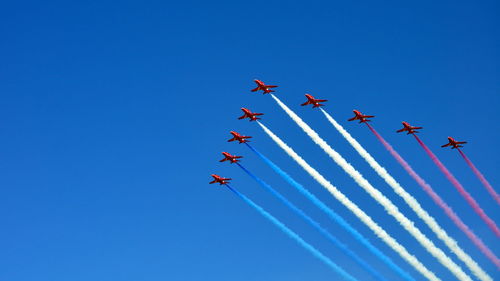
(113, 116)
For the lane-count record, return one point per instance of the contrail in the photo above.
(483, 180)
(475, 206)
(316, 225)
(334, 216)
(379, 231)
(411, 202)
(379, 197)
(294, 236)
(437, 199)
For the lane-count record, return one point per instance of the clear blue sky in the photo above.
(113, 116)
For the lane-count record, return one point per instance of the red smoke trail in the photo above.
(491, 224)
(447, 209)
(481, 177)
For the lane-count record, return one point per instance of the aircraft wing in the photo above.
(258, 114)
(306, 103)
(352, 119)
(271, 86)
(401, 130)
(446, 145)
(255, 90)
(461, 142)
(321, 100)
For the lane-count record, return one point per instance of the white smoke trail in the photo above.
(379, 231)
(379, 197)
(412, 202)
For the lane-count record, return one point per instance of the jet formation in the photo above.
(311, 100)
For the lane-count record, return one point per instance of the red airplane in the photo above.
(249, 114)
(239, 137)
(262, 86)
(408, 128)
(313, 101)
(359, 116)
(219, 179)
(453, 143)
(230, 158)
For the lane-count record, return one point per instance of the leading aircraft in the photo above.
(409, 129)
(230, 158)
(453, 143)
(219, 179)
(359, 116)
(249, 114)
(262, 86)
(238, 137)
(313, 101)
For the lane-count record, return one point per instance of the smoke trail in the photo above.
(481, 177)
(334, 216)
(428, 189)
(379, 231)
(379, 197)
(315, 224)
(475, 206)
(294, 236)
(411, 202)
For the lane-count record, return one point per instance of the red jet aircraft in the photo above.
(313, 101)
(453, 143)
(249, 114)
(359, 116)
(230, 158)
(262, 86)
(239, 137)
(219, 179)
(409, 129)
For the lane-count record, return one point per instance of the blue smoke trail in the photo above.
(294, 236)
(316, 225)
(334, 216)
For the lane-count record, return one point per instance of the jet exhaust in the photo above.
(294, 236)
(367, 220)
(391, 209)
(334, 216)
